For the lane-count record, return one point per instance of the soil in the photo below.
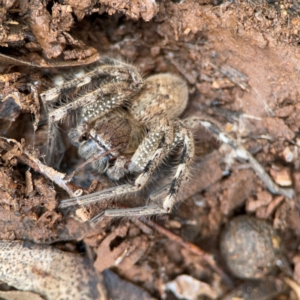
(241, 62)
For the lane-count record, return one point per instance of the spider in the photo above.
(134, 124)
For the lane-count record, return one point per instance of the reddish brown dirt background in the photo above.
(241, 62)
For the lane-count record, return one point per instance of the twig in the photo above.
(36, 110)
(25, 157)
(241, 152)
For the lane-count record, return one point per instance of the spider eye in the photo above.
(84, 137)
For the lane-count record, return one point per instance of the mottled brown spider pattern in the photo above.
(135, 123)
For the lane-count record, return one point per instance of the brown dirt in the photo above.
(241, 61)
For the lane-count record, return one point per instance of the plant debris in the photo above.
(241, 61)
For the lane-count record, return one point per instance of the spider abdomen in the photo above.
(162, 95)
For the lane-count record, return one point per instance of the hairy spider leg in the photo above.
(184, 138)
(105, 67)
(159, 149)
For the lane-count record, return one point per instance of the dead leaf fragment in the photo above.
(40, 24)
(281, 176)
(189, 288)
(124, 255)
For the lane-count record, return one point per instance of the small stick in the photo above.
(34, 163)
(241, 152)
(36, 110)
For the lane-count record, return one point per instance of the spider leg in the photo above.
(60, 149)
(96, 103)
(140, 159)
(129, 212)
(184, 137)
(153, 155)
(105, 67)
(119, 190)
(181, 175)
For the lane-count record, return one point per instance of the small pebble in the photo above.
(250, 247)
